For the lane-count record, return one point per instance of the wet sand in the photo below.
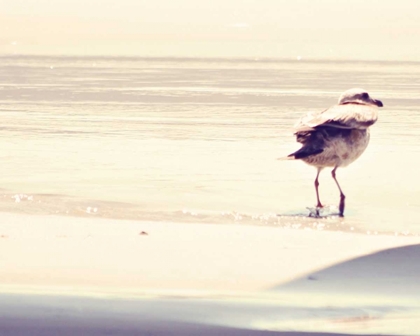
(100, 276)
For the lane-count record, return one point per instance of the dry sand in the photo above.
(89, 276)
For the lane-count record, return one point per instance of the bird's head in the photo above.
(358, 96)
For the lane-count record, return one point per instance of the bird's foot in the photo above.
(319, 208)
(315, 212)
(342, 205)
(323, 211)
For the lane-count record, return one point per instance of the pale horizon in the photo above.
(325, 29)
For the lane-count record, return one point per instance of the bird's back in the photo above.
(344, 116)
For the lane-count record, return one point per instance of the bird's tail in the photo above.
(302, 153)
(288, 157)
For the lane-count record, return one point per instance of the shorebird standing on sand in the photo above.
(337, 136)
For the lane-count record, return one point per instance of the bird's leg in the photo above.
(318, 205)
(342, 197)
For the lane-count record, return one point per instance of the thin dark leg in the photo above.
(342, 196)
(318, 205)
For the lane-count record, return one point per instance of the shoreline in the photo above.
(87, 252)
(230, 279)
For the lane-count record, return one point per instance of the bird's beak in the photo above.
(378, 103)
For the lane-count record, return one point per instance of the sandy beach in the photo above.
(140, 190)
(101, 276)
(135, 204)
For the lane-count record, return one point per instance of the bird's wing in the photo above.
(345, 116)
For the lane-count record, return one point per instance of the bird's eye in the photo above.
(365, 95)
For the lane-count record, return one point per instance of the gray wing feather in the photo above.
(346, 116)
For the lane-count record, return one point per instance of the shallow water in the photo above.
(196, 140)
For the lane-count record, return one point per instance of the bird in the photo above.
(337, 136)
